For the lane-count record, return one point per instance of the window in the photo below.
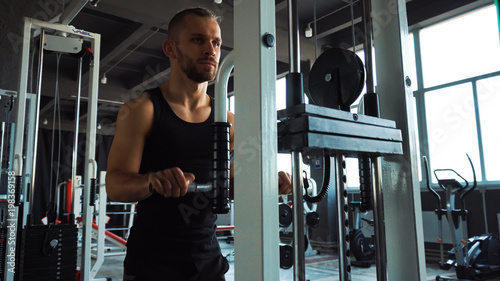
(488, 94)
(463, 47)
(451, 126)
(458, 106)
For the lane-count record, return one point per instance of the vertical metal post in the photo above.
(293, 34)
(343, 219)
(368, 44)
(255, 173)
(298, 208)
(37, 121)
(77, 127)
(299, 264)
(402, 206)
(31, 134)
(90, 157)
(18, 143)
(378, 218)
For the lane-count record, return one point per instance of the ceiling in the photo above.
(132, 33)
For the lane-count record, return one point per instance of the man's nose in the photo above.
(210, 50)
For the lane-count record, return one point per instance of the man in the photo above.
(163, 142)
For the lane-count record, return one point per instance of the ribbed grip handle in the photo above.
(18, 184)
(93, 187)
(220, 168)
(365, 183)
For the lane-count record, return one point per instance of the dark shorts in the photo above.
(212, 269)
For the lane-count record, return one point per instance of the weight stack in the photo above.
(48, 252)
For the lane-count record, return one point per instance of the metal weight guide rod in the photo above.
(317, 131)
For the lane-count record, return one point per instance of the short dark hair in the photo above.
(178, 20)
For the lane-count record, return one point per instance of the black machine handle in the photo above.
(18, 190)
(93, 187)
(467, 192)
(450, 170)
(463, 188)
(220, 168)
(372, 108)
(428, 177)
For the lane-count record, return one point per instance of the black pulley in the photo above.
(286, 215)
(286, 256)
(336, 79)
(312, 219)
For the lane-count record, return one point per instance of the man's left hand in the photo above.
(285, 183)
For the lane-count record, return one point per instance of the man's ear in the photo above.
(168, 49)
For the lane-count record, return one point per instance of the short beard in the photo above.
(199, 76)
(188, 66)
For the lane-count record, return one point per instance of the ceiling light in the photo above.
(218, 1)
(309, 31)
(104, 79)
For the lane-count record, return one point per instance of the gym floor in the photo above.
(322, 267)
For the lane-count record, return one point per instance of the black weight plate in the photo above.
(286, 215)
(336, 79)
(286, 256)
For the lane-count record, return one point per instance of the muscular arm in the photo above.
(123, 181)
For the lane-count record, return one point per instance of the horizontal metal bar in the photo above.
(458, 82)
(120, 213)
(322, 125)
(349, 146)
(314, 110)
(117, 228)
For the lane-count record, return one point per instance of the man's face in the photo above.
(198, 48)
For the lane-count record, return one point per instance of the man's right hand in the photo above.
(172, 182)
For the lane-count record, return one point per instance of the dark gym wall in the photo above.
(12, 13)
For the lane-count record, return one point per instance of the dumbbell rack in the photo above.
(317, 131)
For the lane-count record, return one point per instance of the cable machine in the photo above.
(49, 251)
(328, 129)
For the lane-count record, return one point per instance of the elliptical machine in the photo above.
(476, 258)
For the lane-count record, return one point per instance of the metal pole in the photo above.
(298, 208)
(77, 126)
(293, 34)
(299, 264)
(221, 80)
(89, 162)
(37, 120)
(342, 219)
(368, 44)
(378, 217)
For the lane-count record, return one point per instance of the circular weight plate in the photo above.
(286, 256)
(312, 219)
(336, 79)
(285, 213)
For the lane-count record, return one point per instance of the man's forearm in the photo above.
(127, 187)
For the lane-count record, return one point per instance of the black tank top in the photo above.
(182, 228)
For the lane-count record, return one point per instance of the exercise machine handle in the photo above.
(428, 177)
(220, 168)
(467, 192)
(199, 187)
(450, 170)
